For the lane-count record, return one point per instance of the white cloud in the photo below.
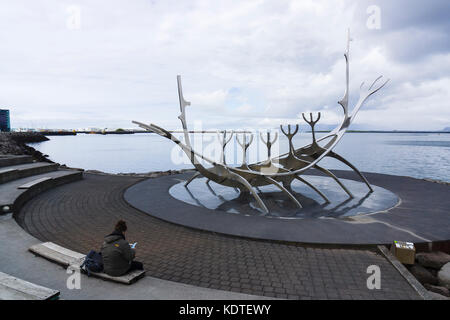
(285, 57)
(210, 101)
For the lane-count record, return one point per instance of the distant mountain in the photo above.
(446, 129)
(328, 127)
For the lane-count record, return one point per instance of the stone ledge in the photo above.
(414, 283)
(73, 260)
(12, 288)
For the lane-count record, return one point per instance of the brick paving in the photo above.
(79, 214)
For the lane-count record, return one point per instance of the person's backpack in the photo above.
(93, 262)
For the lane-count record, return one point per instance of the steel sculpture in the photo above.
(281, 170)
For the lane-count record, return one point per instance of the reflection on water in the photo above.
(217, 197)
(418, 155)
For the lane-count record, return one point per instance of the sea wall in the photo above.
(15, 143)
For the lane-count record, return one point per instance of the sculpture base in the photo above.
(217, 197)
(401, 208)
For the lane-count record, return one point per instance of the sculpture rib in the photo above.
(330, 174)
(194, 176)
(345, 161)
(313, 187)
(252, 191)
(283, 189)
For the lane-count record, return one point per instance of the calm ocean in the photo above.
(419, 155)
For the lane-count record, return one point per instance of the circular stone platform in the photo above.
(400, 208)
(217, 197)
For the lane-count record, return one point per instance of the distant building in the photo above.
(5, 124)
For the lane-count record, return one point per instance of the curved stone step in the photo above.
(14, 193)
(20, 171)
(12, 288)
(34, 183)
(10, 160)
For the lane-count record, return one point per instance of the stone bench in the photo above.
(31, 184)
(55, 253)
(12, 288)
(74, 260)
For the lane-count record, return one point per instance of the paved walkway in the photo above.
(78, 215)
(17, 261)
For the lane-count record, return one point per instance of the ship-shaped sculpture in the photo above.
(280, 170)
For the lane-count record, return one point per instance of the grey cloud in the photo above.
(283, 56)
(412, 30)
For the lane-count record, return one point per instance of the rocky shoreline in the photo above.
(15, 143)
(152, 174)
(432, 270)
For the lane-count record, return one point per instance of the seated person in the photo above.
(117, 254)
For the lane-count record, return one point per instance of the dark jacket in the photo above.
(117, 254)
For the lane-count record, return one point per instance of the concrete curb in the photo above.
(413, 282)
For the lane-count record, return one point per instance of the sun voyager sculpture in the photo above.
(280, 170)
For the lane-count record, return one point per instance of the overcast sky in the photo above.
(244, 64)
